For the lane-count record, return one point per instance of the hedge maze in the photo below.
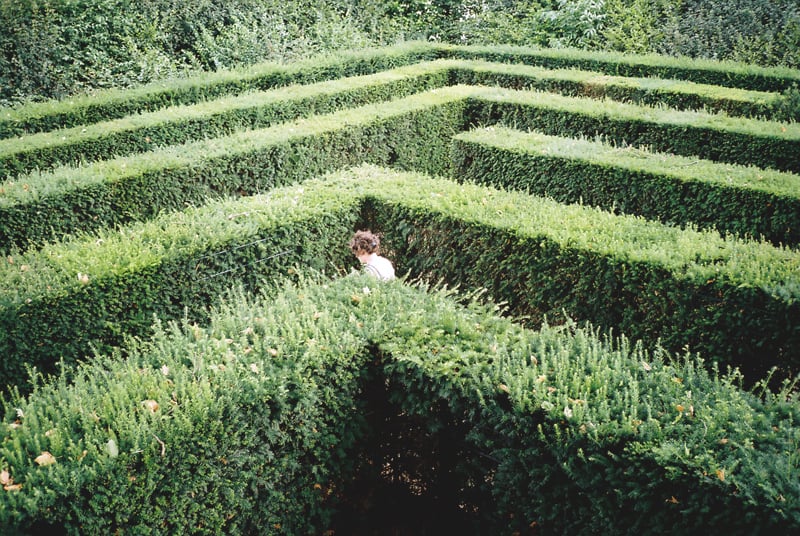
(184, 349)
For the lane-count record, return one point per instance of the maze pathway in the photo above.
(653, 198)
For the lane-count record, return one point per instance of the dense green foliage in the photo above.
(767, 144)
(291, 413)
(55, 48)
(412, 133)
(59, 301)
(748, 201)
(735, 302)
(258, 423)
(113, 104)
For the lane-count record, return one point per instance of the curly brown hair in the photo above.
(365, 241)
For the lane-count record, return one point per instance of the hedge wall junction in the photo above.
(112, 104)
(734, 301)
(42, 205)
(259, 422)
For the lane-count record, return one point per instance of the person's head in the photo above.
(365, 243)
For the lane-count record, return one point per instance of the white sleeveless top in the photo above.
(380, 267)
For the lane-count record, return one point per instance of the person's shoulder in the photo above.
(381, 267)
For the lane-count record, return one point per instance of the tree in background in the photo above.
(55, 48)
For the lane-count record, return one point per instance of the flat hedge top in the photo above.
(594, 78)
(589, 395)
(36, 185)
(204, 80)
(634, 158)
(285, 96)
(617, 111)
(653, 62)
(687, 253)
(60, 266)
(201, 85)
(690, 254)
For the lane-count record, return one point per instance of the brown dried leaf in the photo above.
(45, 458)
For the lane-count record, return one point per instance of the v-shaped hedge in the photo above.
(735, 301)
(258, 422)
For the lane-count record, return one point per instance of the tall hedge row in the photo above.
(746, 201)
(60, 301)
(411, 133)
(572, 432)
(181, 124)
(241, 427)
(258, 422)
(105, 105)
(687, 133)
(178, 124)
(734, 302)
(111, 104)
(678, 94)
(41, 205)
(701, 71)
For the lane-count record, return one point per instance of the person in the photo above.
(366, 247)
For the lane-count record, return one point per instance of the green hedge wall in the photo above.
(114, 104)
(729, 74)
(734, 302)
(413, 133)
(42, 205)
(178, 124)
(714, 137)
(256, 423)
(60, 301)
(181, 124)
(238, 428)
(577, 434)
(746, 201)
(676, 94)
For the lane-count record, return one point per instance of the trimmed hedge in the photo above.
(570, 432)
(58, 302)
(256, 424)
(41, 206)
(746, 201)
(180, 124)
(701, 71)
(243, 427)
(114, 104)
(744, 141)
(734, 302)
(414, 132)
(676, 94)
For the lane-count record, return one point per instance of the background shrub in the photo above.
(55, 48)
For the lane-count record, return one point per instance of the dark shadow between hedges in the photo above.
(414, 474)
